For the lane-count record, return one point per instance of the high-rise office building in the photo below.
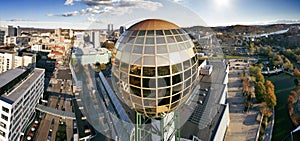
(21, 90)
(110, 28)
(2, 35)
(95, 38)
(18, 30)
(11, 31)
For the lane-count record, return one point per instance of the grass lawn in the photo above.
(234, 57)
(283, 125)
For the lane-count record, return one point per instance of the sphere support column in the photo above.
(166, 128)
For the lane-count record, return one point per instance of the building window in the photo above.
(2, 133)
(4, 117)
(2, 124)
(5, 109)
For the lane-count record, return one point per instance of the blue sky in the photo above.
(184, 12)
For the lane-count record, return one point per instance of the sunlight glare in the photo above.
(222, 3)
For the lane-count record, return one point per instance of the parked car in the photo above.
(204, 89)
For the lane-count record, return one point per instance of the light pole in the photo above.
(297, 129)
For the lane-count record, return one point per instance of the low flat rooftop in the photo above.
(90, 51)
(205, 117)
(18, 91)
(9, 76)
(64, 74)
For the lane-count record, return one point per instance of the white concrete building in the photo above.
(10, 40)
(20, 93)
(89, 55)
(28, 60)
(11, 60)
(18, 61)
(6, 61)
(41, 48)
(95, 38)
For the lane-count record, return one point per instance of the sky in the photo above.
(99, 13)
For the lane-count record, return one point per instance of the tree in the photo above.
(270, 97)
(260, 65)
(260, 77)
(296, 72)
(254, 70)
(277, 60)
(290, 100)
(269, 85)
(246, 85)
(265, 110)
(288, 65)
(293, 94)
(102, 66)
(109, 45)
(97, 67)
(252, 48)
(260, 91)
(297, 58)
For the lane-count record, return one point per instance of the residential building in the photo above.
(17, 40)
(40, 48)
(21, 90)
(57, 32)
(10, 60)
(6, 61)
(18, 61)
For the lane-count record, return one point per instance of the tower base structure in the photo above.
(163, 129)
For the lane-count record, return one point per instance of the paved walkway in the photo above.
(243, 126)
(55, 112)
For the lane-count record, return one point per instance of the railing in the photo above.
(258, 131)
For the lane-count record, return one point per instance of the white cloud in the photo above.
(114, 7)
(177, 1)
(94, 19)
(50, 15)
(69, 2)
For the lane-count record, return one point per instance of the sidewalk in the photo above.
(243, 126)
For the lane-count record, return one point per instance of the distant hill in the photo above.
(243, 28)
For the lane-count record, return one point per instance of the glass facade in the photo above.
(154, 70)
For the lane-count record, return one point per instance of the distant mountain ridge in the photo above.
(243, 28)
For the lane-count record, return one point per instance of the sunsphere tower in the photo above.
(154, 72)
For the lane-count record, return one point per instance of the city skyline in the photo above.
(81, 13)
